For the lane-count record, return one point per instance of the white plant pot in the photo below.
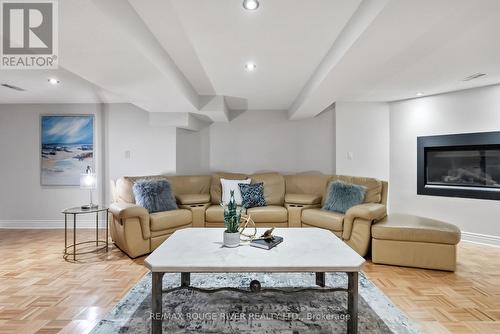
(231, 239)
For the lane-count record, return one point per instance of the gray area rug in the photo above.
(234, 311)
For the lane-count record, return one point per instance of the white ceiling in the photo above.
(188, 56)
(423, 46)
(72, 89)
(287, 39)
(459, 39)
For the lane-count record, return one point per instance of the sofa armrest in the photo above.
(305, 199)
(198, 212)
(188, 199)
(295, 213)
(366, 211)
(127, 210)
(124, 211)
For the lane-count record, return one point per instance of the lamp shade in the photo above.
(87, 181)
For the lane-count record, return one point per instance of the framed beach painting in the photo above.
(67, 148)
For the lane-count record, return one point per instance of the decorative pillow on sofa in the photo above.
(252, 195)
(228, 185)
(342, 196)
(154, 195)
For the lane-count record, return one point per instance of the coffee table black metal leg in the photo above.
(65, 234)
(185, 279)
(107, 226)
(74, 237)
(97, 228)
(352, 302)
(320, 279)
(156, 302)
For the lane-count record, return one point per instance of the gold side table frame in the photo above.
(79, 211)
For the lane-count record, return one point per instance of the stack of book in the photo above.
(267, 243)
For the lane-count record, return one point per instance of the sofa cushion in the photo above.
(325, 219)
(268, 214)
(123, 191)
(215, 186)
(305, 199)
(190, 184)
(186, 199)
(403, 227)
(307, 184)
(232, 185)
(215, 214)
(274, 187)
(154, 195)
(373, 186)
(169, 219)
(252, 195)
(342, 196)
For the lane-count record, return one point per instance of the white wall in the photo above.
(131, 145)
(23, 201)
(476, 110)
(119, 128)
(134, 146)
(362, 139)
(268, 141)
(193, 152)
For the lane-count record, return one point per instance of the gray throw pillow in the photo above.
(252, 195)
(154, 195)
(342, 196)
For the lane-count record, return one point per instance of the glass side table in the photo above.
(79, 211)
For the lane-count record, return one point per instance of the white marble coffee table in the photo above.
(200, 250)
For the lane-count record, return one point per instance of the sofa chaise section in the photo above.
(413, 241)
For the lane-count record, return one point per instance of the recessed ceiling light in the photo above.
(250, 67)
(250, 4)
(54, 81)
(420, 94)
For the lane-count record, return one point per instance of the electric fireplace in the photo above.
(462, 165)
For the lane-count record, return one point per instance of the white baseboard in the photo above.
(47, 224)
(483, 239)
(477, 238)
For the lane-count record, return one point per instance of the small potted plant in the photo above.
(232, 223)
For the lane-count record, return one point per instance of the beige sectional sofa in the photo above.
(292, 201)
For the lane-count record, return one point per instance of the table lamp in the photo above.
(88, 181)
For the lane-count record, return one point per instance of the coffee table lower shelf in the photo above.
(352, 298)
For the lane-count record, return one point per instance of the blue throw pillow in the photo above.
(252, 195)
(154, 195)
(342, 196)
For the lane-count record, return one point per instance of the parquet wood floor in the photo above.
(466, 301)
(42, 293)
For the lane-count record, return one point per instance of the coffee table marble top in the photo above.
(302, 250)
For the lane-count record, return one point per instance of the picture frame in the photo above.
(67, 147)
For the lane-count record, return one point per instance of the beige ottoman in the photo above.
(411, 241)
